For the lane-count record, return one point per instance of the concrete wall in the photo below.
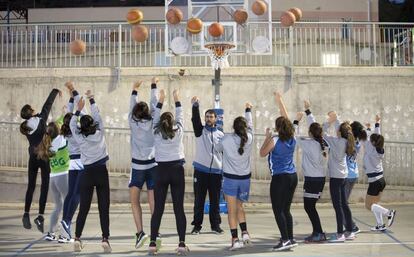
(356, 93)
(324, 10)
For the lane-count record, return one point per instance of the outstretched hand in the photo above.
(299, 116)
(154, 80)
(161, 96)
(81, 104)
(195, 100)
(89, 94)
(377, 118)
(136, 85)
(69, 85)
(268, 133)
(248, 105)
(176, 95)
(306, 104)
(278, 96)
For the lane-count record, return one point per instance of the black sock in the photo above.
(234, 233)
(243, 226)
(181, 244)
(152, 243)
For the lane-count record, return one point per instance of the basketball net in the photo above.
(219, 53)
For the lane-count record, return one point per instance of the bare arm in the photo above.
(179, 116)
(268, 144)
(154, 95)
(281, 104)
(157, 112)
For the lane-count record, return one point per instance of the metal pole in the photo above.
(36, 37)
(216, 82)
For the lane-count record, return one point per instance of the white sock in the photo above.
(378, 208)
(378, 212)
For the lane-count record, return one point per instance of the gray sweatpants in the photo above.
(59, 188)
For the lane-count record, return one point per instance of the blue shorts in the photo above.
(238, 188)
(139, 177)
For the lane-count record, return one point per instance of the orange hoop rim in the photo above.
(219, 48)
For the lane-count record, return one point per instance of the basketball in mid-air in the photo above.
(216, 29)
(134, 16)
(174, 15)
(139, 33)
(77, 47)
(194, 25)
(287, 19)
(259, 7)
(240, 16)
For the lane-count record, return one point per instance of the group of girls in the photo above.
(74, 155)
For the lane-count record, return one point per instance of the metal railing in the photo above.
(111, 45)
(398, 162)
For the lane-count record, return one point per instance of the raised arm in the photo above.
(268, 144)
(309, 116)
(377, 129)
(95, 111)
(195, 117)
(157, 112)
(179, 116)
(47, 106)
(154, 95)
(281, 104)
(73, 125)
(299, 116)
(248, 115)
(133, 99)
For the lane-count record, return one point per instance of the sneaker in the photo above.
(158, 242)
(195, 231)
(217, 230)
(152, 248)
(282, 245)
(337, 238)
(26, 221)
(293, 242)
(77, 245)
(64, 240)
(51, 237)
(379, 228)
(140, 239)
(236, 244)
(316, 238)
(391, 217)
(65, 229)
(349, 235)
(182, 249)
(106, 246)
(39, 221)
(246, 239)
(356, 230)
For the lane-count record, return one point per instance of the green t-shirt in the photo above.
(60, 161)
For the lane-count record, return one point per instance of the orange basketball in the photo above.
(297, 12)
(77, 47)
(287, 19)
(194, 25)
(174, 15)
(134, 16)
(216, 29)
(259, 7)
(139, 33)
(240, 16)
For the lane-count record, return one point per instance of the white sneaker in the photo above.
(50, 237)
(337, 238)
(246, 239)
(77, 246)
(236, 245)
(106, 246)
(391, 217)
(182, 250)
(349, 235)
(379, 228)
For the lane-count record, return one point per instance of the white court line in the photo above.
(263, 244)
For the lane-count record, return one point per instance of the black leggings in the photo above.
(204, 182)
(282, 189)
(96, 176)
(340, 204)
(34, 165)
(169, 174)
(311, 194)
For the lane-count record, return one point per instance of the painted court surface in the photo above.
(398, 241)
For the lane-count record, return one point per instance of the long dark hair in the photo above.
(43, 149)
(26, 113)
(240, 129)
(359, 131)
(284, 128)
(345, 131)
(315, 130)
(65, 129)
(377, 141)
(87, 125)
(141, 112)
(166, 126)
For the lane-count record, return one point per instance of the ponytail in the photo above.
(65, 128)
(240, 129)
(166, 126)
(377, 141)
(43, 149)
(346, 132)
(315, 129)
(24, 128)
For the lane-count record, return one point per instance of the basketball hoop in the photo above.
(219, 52)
